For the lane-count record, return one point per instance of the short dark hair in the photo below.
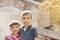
(14, 23)
(27, 13)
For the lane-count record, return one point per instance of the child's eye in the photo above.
(23, 18)
(27, 17)
(16, 27)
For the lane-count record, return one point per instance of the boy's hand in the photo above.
(36, 38)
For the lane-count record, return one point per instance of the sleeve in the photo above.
(6, 38)
(34, 32)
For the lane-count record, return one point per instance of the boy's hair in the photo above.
(27, 12)
(14, 23)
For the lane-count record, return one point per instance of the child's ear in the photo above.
(32, 19)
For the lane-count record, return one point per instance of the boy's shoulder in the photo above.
(8, 36)
(33, 28)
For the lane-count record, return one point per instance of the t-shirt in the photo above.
(29, 34)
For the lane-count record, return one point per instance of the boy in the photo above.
(27, 31)
(14, 28)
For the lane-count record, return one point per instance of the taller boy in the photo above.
(27, 31)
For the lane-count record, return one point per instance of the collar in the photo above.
(28, 27)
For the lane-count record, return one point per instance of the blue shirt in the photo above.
(29, 34)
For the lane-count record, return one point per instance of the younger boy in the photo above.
(14, 28)
(27, 31)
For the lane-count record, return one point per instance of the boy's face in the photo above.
(26, 20)
(15, 28)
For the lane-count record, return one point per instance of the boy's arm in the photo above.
(35, 34)
(36, 38)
